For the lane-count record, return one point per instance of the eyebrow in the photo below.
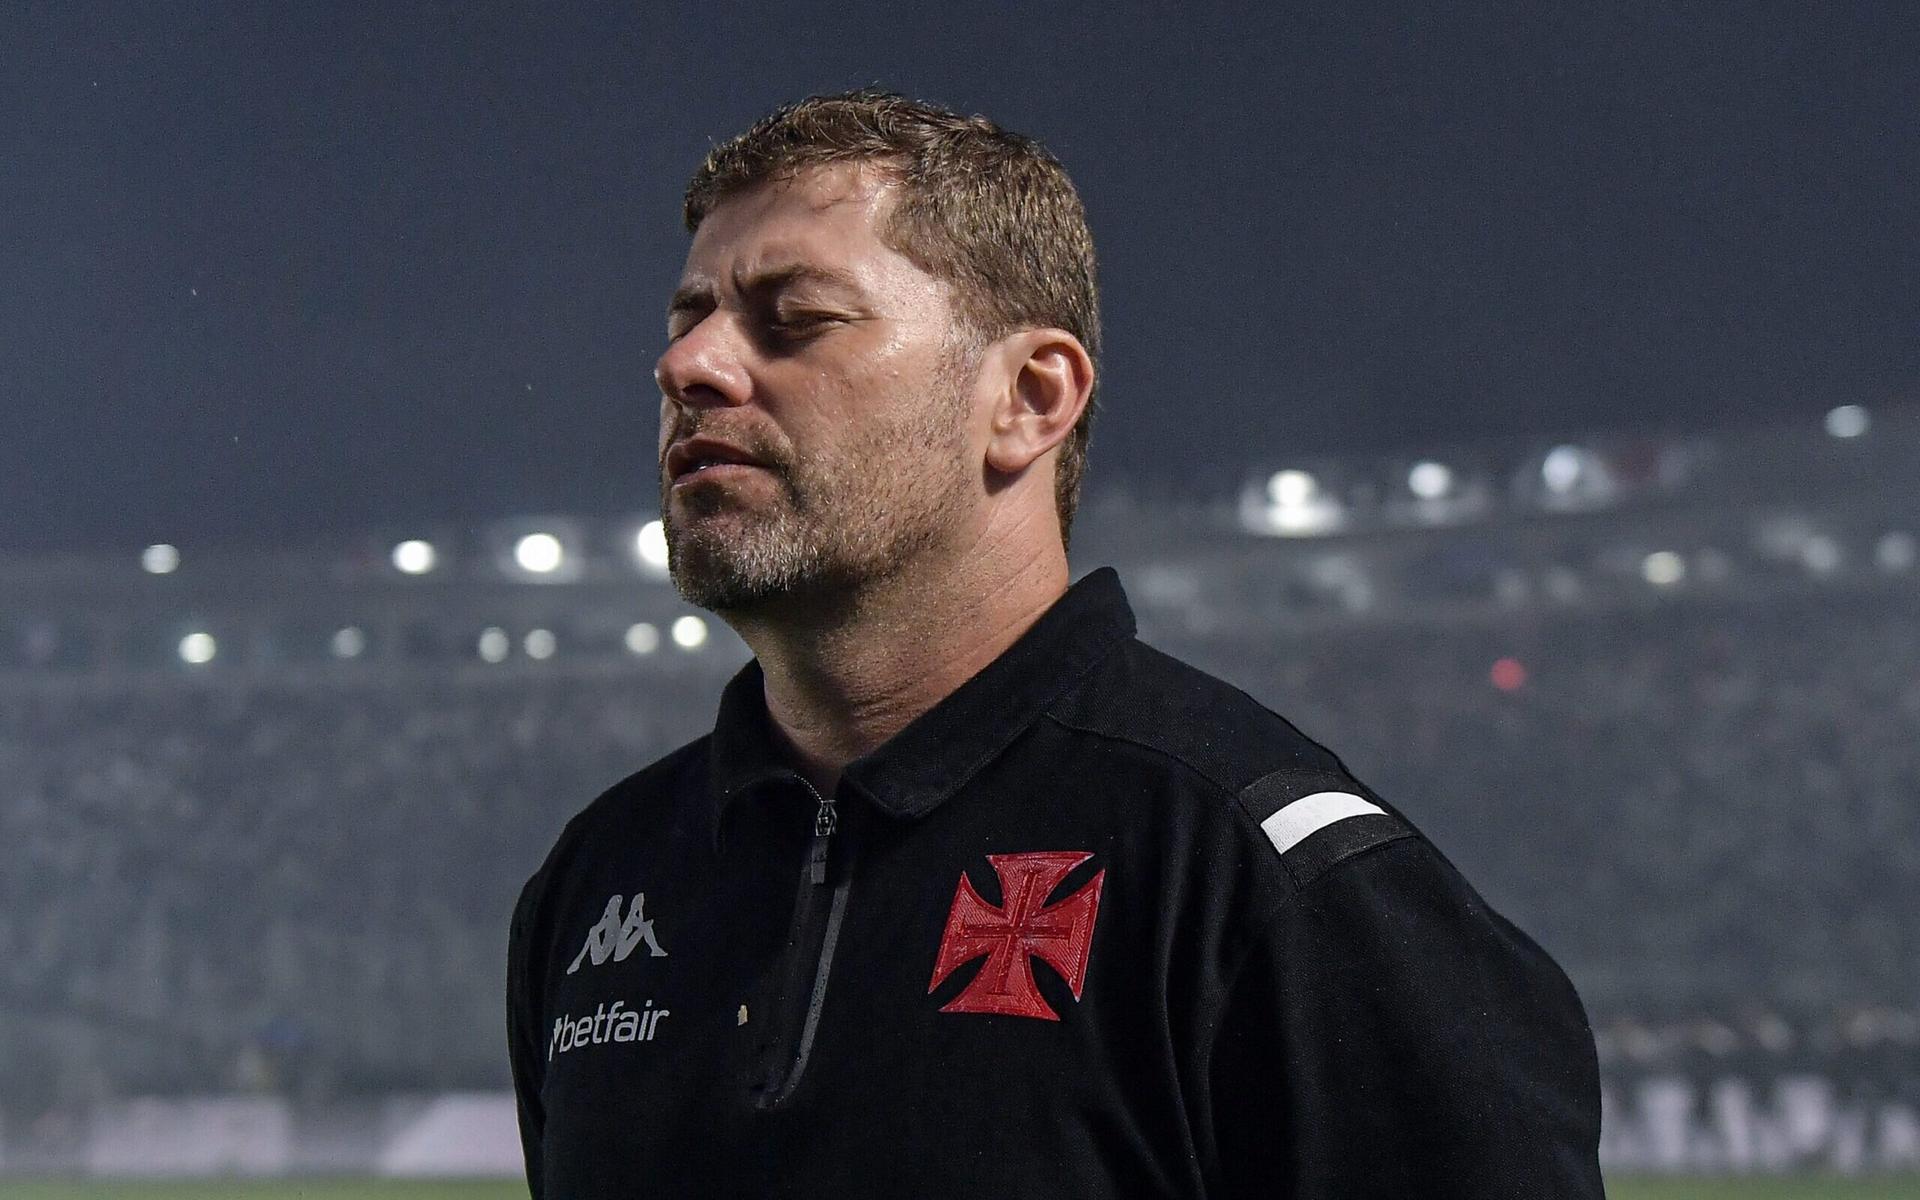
(698, 295)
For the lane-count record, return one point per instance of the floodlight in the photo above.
(1847, 421)
(1430, 480)
(651, 544)
(1663, 568)
(494, 644)
(1290, 489)
(198, 647)
(1894, 551)
(1820, 554)
(539, 553)
(414, 557)
(1561, 469)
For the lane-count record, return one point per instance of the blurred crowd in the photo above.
(1709, 814)
(1691, 807)
(211, 888)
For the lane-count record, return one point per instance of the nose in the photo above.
(705, 367)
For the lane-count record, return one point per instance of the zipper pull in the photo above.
(825, 821)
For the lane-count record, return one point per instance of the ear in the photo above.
(1048, 376)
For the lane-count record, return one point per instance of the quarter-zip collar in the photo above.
(918, 768)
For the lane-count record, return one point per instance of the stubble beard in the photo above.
(844, 519)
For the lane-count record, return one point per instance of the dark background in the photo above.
(270, 271)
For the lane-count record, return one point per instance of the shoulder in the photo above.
(1142, 695)
(1291, 797)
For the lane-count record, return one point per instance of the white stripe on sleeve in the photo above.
(1293, 823)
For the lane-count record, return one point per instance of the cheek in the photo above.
(852, 413)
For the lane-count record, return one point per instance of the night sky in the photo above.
(270, 271)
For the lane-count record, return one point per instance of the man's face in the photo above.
(835, 364)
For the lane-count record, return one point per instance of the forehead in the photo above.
(822, 216)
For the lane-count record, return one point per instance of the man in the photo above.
(969, 892)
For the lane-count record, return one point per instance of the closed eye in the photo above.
(803, 316)
(799, 325)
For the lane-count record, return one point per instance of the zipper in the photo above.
(817, 915)
(825, 821)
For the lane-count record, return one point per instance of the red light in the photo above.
(1508, 675)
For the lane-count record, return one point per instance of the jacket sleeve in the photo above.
(1389, 1035)
(523, 1038)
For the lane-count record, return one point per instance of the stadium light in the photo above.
(1430, 480)
(1663, 568)
(550, 549)
(1291, 489)
(1820, 554)
(1894, 551)
(1847, 421)
(651, 545)
(494, 644)
(414, 557)
(349, 642)
(539, 553)
(198, 647)
(689, 632)
(1560, 471)
(160, 559)
(642, 638)
(1575, 477)
(1290, 503)
(540, 643)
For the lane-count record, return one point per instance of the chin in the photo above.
(728, 595)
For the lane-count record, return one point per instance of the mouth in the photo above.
(713, 471)
(707, 458)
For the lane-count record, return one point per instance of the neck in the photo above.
(841, 682)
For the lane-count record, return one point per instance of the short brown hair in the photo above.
(989, 211)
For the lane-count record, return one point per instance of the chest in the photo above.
(743, 1016)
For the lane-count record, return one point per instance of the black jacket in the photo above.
(1097, 924)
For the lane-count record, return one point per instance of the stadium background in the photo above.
(267, 812)
(1519, 400)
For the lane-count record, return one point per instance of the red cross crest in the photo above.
(1011, 937)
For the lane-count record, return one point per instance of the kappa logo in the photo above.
(615, 938)
(1026, 928)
